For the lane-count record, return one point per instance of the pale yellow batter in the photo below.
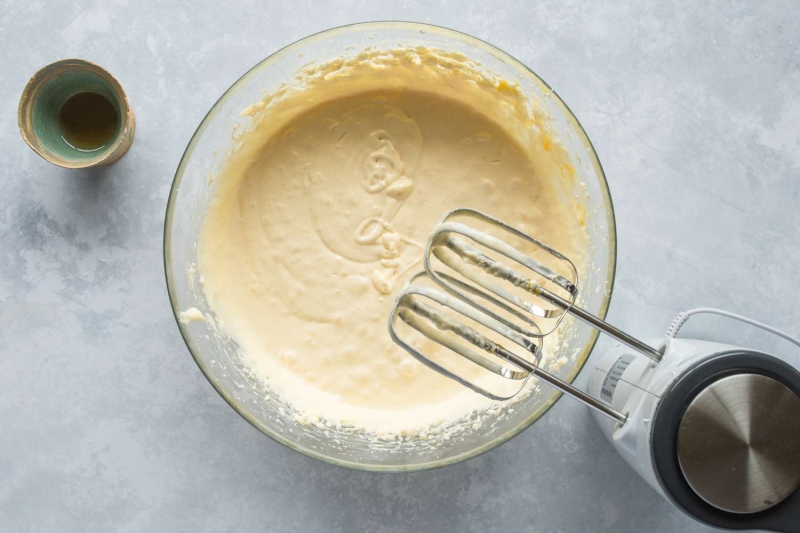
(323, 208)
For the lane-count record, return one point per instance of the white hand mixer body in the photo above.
(635, 385)
(712, 427)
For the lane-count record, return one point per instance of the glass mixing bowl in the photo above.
(217, 356)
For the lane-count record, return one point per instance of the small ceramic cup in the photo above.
(45, 95)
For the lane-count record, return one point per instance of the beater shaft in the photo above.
(601, 325)
(585, 399)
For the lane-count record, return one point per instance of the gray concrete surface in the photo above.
(106, 424)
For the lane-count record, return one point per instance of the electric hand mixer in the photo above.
(714, 428)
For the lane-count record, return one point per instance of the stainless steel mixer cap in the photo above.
(739, 443)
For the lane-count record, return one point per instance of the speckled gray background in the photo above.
(106, 424)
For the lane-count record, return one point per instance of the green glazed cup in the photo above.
(43, 98)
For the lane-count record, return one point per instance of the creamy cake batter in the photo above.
(324, 205)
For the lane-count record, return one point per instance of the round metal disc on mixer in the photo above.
(739, 443)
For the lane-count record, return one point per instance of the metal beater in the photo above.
(460, 248)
